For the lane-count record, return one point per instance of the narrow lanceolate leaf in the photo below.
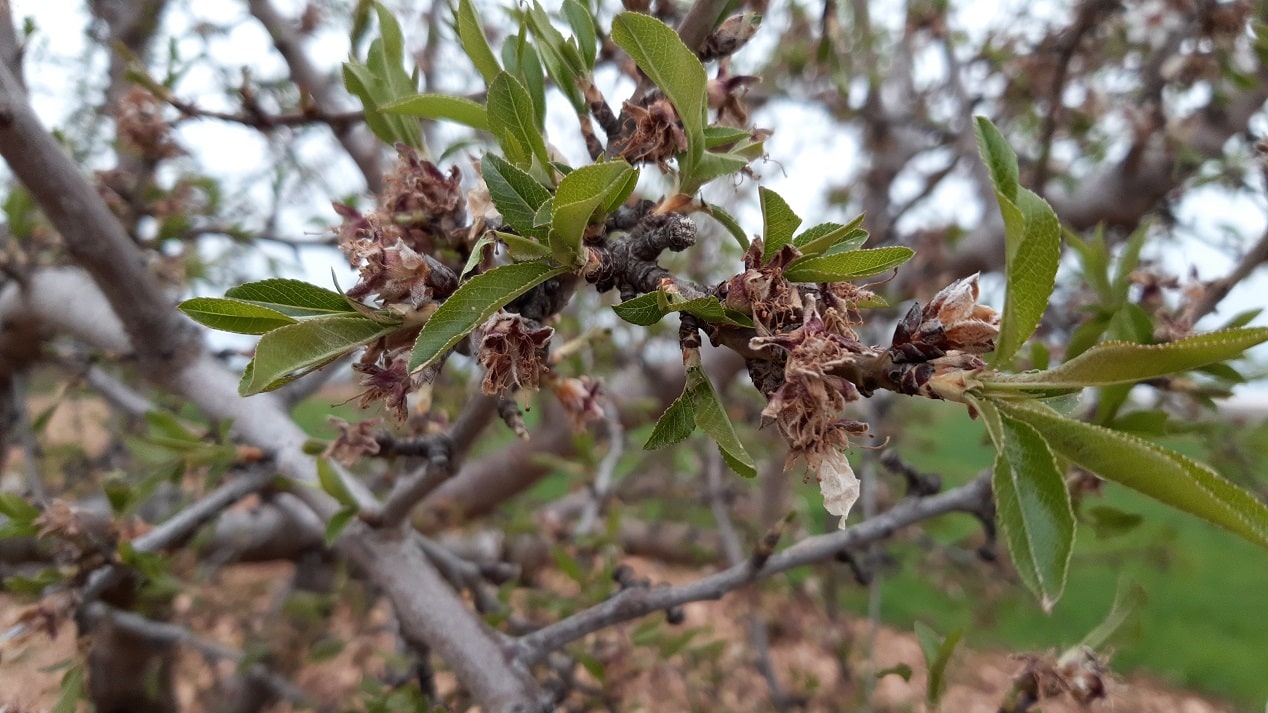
(523, 249)
(512, 120)
(234, 315)
(1033, 505)
(459, 110)
(294, 298)
(304, 346)
(672, 66)
(937, 651)
(675, 425)
(1127, 601)
(333, 484)
(837, 267)
(779, 222)
(646, 310)
(1157, 472)
(582, 197)
(515, 193)
(474, 302)
(582, 25)
(818, 239)
(712, 419)
(474, 43)
(1032, 243)
(1125, 362)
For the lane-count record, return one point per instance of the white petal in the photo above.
(837, 483)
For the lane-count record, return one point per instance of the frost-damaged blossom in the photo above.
(387, 380)
(581, 399)
(513, 353)
(652, 133)
(806, 407)
(762, 292)
(427, 204)
(354, 440)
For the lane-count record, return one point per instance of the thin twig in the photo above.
(604, 474)
(1219, 289)
(634, 603)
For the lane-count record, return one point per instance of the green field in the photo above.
(1204, 626)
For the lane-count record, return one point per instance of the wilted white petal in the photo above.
(837, 482)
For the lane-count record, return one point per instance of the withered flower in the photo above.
(141, 128)
(354, 440)
(652, 133)
(513, 353)
(581, 398)
(731, 35)
(427, 204)
(807, 407)
(762, 292)
(392, 384)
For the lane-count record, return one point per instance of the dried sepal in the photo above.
(581, 398)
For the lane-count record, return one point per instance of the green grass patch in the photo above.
(1203, 626)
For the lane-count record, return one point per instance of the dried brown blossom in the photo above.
(426, 203)
(141, 127)
(762, 292)
(581, 398)
(726, 94)
(731, 35)
(807, 407)
(513, 353)
(354, 440)
(391, 384)
(652, 133)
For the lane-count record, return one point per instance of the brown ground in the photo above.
(699, 678)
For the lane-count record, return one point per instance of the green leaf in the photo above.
(838, 267)
(999, 158)
(338, 523)
(477, 252)
(715, 136)
(523, 248)
(672, 66)
(562, 59)
(474, 42)
(581, 198)
(233, 315)
(900, 670)
(294, 298)
(1032, 245)
(333, 484)
(675, 425)
(1124, 362)
(1033, 506)
(818, 239)
(710, 166)
(779, 223)
(1109, 522)
(513, 120)
(520, 58)
(515, 193)
(71, 691)
(582, 25)
(730, 223)
(1148, 468)
(459, 110)
(475, 301)
(16, 508)
(644, 310)
(712, 419)
(291, 351)
(937, 651)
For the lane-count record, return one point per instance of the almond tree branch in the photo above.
(636, 602)
(290, 45)
(170, 354)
